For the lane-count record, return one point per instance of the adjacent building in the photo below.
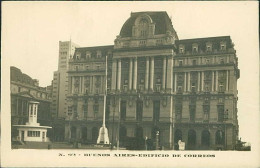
(60, 79)
(157, 83)
(23, 90)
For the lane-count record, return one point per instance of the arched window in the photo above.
(139, 132)
(143, 27)
(122, 135)
(205, 139)
(139, 110)
(84, 133)
(220, 137)
(191, 139)
(94, 134)
(73, 132)
(177, 136)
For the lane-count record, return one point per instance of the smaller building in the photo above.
(23, 90)
(32, 131)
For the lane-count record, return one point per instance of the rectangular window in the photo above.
(33, 133)
(194, 62)
(156, 110)
(95, 108)
(139, 110)
(85, 110)
(220, 113)
(221, 61)
(178, 113)
(192, 112)
(180, 62)
(123, 110)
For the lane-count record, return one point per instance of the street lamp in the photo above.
(157, 140)
(145, 142)
(225, 119)
(113, 104)
(69, 114)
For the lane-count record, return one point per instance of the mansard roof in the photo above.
(18, 76)
(161, 19)
(93, 50)
(215, 41)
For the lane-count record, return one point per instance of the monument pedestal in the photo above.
(103, 136)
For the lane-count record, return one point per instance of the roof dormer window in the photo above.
(78, 55)
(143, 25)
(181, 49)
(99, 54)
(222, 46)
(195, 48)
(88, 55)
(209, 47)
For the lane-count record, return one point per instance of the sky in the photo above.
(32, 30)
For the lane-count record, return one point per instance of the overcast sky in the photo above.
(32, 31)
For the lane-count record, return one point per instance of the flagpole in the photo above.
(103, 132)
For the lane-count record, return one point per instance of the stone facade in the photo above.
(185, 89)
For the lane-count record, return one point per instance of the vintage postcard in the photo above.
(130, 84)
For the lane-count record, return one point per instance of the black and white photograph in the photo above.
(130, 84)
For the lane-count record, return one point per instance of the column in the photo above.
(185, 82)
(198, 81)
(83, 85)
(17, 108)
(114, 68)
(216, 81)
(188, 81)
(227, 82)
(119, 75)
(91, 85)
(164, 73)
(130, 73)
(80, 84)
(202, 81)
(169, 73)
(69, 83)
(147, 74)
(135, 74)
(175, 82)
(151, 73)
(22, 108)
(212, 82)
(72, 84)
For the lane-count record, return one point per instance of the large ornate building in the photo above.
(182, 89)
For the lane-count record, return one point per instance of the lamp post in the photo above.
(69, 114)
(112, 144)
(118, 126)
(145, 142)
(157, 140)
(225, 119)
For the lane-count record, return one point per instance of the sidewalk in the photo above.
(57, 145)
